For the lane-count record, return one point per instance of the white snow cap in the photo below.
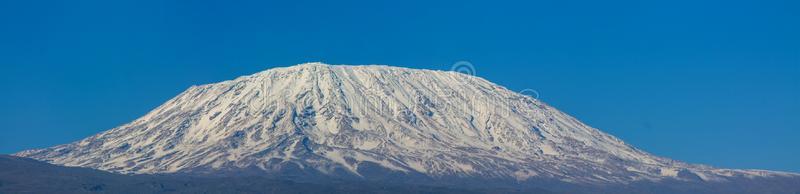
(337, 117)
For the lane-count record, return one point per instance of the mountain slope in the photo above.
(372, 122)
(21, 175)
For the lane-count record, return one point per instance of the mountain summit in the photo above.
(369, 121)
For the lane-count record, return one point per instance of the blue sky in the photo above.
(711, 82)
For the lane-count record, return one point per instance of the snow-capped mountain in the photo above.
(351, 120)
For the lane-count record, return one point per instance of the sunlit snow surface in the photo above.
(325, 118)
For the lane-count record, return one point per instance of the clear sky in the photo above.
(711, 82)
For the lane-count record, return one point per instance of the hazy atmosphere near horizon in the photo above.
(705, 82)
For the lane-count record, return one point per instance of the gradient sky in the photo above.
(711, 82)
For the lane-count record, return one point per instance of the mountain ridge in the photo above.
(366, 121)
